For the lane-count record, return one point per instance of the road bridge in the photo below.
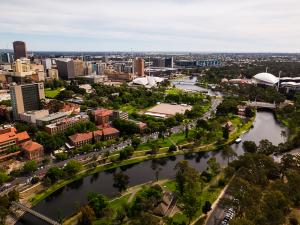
(34, 213)
(264, 105)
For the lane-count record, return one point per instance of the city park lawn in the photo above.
(129, 108)
(165, 143)
(49, 93)
(174, 91)
(117, 203)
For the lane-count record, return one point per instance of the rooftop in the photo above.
(103, 112)
(81, 137)
(53, 116)
(11, 134)
(31, 146)
(166, 110)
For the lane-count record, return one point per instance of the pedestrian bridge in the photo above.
(34, 213)
(185, 82)
(264, 105)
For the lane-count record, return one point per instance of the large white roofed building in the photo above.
(266, 79)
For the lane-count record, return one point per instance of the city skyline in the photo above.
(171, 25)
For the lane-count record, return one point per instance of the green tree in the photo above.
(126, 152)
(266, 147)
(228, 152)
(172, 148)
(3, 177)
(213, 165)
(72, 167)
(135, 142)
(87, 215)
(189, 188)
(98, 203)
(30, 166)
(154, 148)
(249, 112)
(54, 174)
(206, 207)
(226, 133)
(249, 146)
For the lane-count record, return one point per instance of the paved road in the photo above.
(115, 147)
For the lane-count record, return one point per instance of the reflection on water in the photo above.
(67, 199)
(189, 84)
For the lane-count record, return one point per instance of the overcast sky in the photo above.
(152, 25)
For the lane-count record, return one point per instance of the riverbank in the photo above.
(111, 165)
(211, 191)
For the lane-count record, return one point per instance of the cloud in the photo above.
(192, 25)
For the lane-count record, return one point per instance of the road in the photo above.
(22, 181)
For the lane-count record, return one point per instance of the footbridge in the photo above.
(185, 82)
(34, 213)
(265, 105)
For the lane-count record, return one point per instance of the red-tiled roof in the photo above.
(10, 134)
(81, 137)
(103, 112)
(31, 146)
(98, 133)
(23, 136)
(109, 131)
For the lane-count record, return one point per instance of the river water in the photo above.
(66, 200)
(189, 84)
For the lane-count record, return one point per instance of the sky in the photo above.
(152, 25)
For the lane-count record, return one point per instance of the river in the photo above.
(66, 200)
(189, 84)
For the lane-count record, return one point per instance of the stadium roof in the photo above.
(266, 78)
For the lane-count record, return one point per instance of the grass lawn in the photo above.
(170, 185)
(52, 93)
(128, 108)
(117, 203)
(173, 91)
(162, 143)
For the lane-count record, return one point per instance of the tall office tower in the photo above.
(88, 68)
(101, 67)
(65, 67)
(158, 62)
(6, 58)
(26, 97)
(47, 63)
(19, 49)
(140, 67)
(169, 62)
(78, 67)
(87, 58)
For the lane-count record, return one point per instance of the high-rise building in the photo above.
(26, 97)
(47, 63)
(65, 67)
(88, 68)
(6, 57)
(140, 67)
(169, 62)
(158, 62)
(78, 67)
(101, 67)
(19, 49)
